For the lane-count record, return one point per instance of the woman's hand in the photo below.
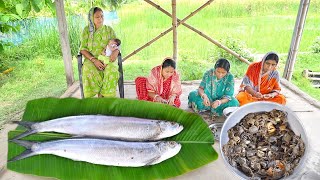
(215, 104)
(160, 99)
(206, 100)
(268, 96)
(171, 100)
(99, 65)
(257, 95)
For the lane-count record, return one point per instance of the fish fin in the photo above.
(151, 161)
(24, 134)
(27, 153)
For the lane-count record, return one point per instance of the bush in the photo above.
(238, 67)
(316, 45)
(192, 68)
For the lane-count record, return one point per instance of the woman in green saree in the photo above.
(215, 92)
(100, 77)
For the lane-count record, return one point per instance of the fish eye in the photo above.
(172, 143)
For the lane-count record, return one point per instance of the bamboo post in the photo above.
(64, 39)
(201, 33)
(168, 30)
(174, 30)
(296, 37)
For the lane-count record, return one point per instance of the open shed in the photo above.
(296, 37)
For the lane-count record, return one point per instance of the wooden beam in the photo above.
(296, 37)
(217, 43)
(168, 30)
(174, 30)
(64, 40)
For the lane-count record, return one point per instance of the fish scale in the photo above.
(104, 152)
(109, 127)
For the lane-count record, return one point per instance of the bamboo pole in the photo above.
(174, 30)
(296, 37)
(201, 33)
(168, 30)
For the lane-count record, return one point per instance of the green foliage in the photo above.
(311, 62)
(12, 11)
(4, 65)
(16, 54)
(192, 68)
(238, 68)
(316, 45)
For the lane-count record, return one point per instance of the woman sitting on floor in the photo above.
(262, 82)
(215, 92)
(163, 85)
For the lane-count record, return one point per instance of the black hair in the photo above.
(96, 9)
(273, 56)
(222, 63)
(118, 41)
(169, 62)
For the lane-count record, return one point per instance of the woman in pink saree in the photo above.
(163, 84)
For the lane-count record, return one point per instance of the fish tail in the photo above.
(24, 134)
(26, 124)
(27, 153)
(26, 144)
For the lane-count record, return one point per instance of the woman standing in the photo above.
(262, 82)
(98, 79)
(163, 85)
(216, 89)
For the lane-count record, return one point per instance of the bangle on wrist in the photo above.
(92, 59)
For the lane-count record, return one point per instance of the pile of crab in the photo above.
(263, 146)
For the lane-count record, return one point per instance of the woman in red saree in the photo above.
(262, 82)
(163, 84)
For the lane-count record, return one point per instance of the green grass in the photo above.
(260, 26)
(37, 78)
(267, 26)
(311, 62)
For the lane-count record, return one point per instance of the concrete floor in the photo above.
(308, 114)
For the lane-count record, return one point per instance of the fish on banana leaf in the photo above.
(107, 127)
(102, 151)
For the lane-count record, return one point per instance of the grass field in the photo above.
(247, 26)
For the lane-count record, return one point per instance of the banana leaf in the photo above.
(196, 140)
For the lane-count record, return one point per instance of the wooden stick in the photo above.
(168, 30)
(174, 30)
(201, 33)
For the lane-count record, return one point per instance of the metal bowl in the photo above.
(239, 113)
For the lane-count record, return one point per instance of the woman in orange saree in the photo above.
(262, 82)
(163, 84)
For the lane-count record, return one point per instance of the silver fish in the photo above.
(104, 152)
(109, 127)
